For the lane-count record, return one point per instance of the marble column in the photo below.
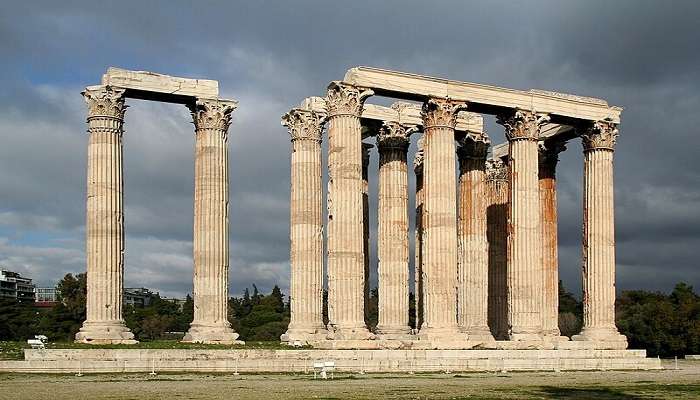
(366, 147)
(497, 196)
(549, 156)
(346, 276)
(440, 220)
(211, 224)
(472, 275)
(392, 142)
(105, 219)
(306, 232)
(524, 247)
(418, 236)
(599, 237)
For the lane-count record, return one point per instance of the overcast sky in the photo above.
(641, 55)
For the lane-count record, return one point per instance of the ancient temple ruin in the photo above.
(486, 268)
(105, 203)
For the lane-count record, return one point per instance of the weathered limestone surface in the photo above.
(549, 156)
(306, 233)
(301, 361)
(418, 249)
(161, 87)
(403, 113)
(345, 213)
(366, 147)
(409, 86)
(211, 224)
(440, 220)
(497, 196)
(472, 294)
(392, 142)
(105, 219)
(599, 236)
(524, 247)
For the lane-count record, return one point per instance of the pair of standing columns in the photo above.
(105, 221)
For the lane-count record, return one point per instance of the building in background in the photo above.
(46, 297)
(138, 297)
(15, 286)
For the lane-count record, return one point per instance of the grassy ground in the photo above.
(13, 350)
(683, 383)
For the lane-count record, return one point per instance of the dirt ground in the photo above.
(683, 383)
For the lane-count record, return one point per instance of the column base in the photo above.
(477, 333)
(349, 333)
(303, 336)
(440, 334)
(554, 336)
(608, 338)
(394, 333)
(525, 334)
(113, 332)
(211, 334)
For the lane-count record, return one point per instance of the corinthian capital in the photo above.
(304, 125)
(496, 170)
(419, 157)
(393, 135)
(600, 135)
(212, 114)
(105, 101)
(441, 112)
(344, 99)
(522, 124)
(473, 147)
(549, 152)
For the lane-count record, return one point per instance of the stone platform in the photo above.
(301, 361)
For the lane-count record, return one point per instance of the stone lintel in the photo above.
(159, 87)
(482, 98)
(403, 113)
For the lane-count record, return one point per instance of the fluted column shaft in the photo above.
(599, 236)
(497, 232)
(366, 147)
(548, 214)
(440, 219)
(105, 219)
(472, 294)
(392, 142)
(418, 250)
(524, 247)
(346, 276)
(306, 231)
(211, 224)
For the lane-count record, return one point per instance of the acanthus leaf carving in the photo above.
(473, 147)
(345, 99)
(395, 135)
(304, 125)
(212, 114)
(441, 112)
(496, 170)
(549, 152)
(600, 135)
(105, 101)
(522, 124)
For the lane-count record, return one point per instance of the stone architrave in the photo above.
(524, 247)
(306, 231)
(105, 219)
(440, 220)
(393, 273)
(599, 237)
(211, 224)
(472, 275)
(345, 214)
(366, 147)
(549, 156)
(497, 232)
(418, 249)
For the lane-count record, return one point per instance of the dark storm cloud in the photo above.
(269, 55)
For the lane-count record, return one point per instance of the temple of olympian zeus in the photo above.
(486, 268)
